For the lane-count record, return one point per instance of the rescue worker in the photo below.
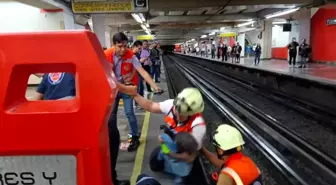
(183, 114)
(236, 168)
(123, 63)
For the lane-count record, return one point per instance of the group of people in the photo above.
(304, 52)
(226, 52)
(184, 124)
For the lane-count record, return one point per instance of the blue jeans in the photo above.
(129, 111)
(141, 87)
(172, 166)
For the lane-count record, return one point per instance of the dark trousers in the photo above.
(114, 138)
(141, 87)
(292, 58)
(257, 59)
(156, 72)
(148, 70)
(224, 57)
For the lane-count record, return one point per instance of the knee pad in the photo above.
(155, 164)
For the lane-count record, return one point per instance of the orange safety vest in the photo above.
(241, 169)
(126, 65)
(183, 128)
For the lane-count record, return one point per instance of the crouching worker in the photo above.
(184, 143)
(236, 168)
(183, 114)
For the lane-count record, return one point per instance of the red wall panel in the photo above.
(280, 53)
(323, 37)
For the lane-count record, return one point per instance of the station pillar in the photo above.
(101, 30)
(266, 41)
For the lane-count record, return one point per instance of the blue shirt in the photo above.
(117, 70)
(57, 85)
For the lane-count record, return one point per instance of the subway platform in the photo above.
(314, 71)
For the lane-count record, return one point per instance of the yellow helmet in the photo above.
(227, 137)
(189, 102)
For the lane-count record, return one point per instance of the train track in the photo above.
(295, 158)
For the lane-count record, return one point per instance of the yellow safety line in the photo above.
(141, 150)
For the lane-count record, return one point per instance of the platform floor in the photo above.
(314, 71)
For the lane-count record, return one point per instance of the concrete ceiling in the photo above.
(173, 21)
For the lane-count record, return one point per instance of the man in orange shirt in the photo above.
(125, 66)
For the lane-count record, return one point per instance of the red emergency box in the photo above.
(55, 142)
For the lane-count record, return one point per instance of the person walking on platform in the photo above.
(183, 114)
(234, 53)
(304, 51)
(123, 63)
(235, 167)
(257, 52)
(292, 50)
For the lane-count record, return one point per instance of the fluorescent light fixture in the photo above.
(279, 22)
(245, 24)
(192, 39)
(147, 25)
(136, 17)
(203, 36)
(222, 28)
(212, 33)
(142, 17)
(282, 13)
(143, 27)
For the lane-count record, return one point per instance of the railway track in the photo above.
(299, 161)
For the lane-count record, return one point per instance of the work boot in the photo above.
(122, 182)
(134, 144)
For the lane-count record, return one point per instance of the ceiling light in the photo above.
(203, 36)
(147, 25)
(136, 17)
(222, 28)
(192, 39)
(245, 24)
(143, 27)
(142, 17)
(213, 33)
(280, 22)
(282, 13)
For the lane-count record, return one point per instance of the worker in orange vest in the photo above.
(125, 66)
(236, 168)
(183, 114)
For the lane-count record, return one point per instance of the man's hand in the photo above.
(157, 89)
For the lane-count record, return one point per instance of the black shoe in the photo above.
(134, 144)
(122, 182)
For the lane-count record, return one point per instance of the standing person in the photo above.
(304, 51)
(219, 50)
(156, 62)
(225, 53)
(145, 59)
(213, 51)
(248, 51)
(238, 52)
(137, 47)
(236, 168)
(292, 50)
(234, 53)
(124, 62)
(257, 54)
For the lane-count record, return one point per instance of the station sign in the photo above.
(145, 37)
(331, 21)
(228, 34)
(109, 6)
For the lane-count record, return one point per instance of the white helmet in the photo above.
(189, 102)
(227, 137)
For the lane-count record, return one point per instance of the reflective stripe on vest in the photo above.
(242, 169)
(186, 127)
(234, 175)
